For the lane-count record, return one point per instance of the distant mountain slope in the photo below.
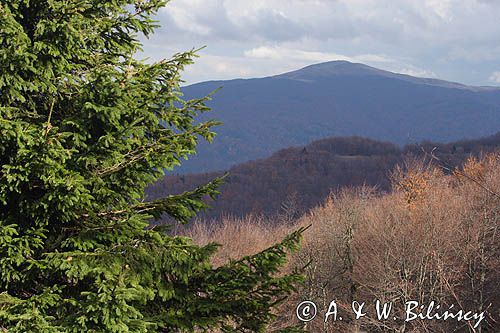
(337, 99)
(300, 178)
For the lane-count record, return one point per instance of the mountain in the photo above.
(296, 179)
(337, 98)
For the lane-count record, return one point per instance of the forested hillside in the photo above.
(295, 179)
(433, 238)
(337, 98)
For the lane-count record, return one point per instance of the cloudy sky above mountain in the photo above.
(456, 40)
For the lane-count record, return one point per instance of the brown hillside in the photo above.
(296, 179)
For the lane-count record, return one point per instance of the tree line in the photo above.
(293, 180)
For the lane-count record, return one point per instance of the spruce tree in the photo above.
(85, 127)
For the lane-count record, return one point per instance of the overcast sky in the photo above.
(455, 40)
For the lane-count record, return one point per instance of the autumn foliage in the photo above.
(301, 177)
(434, 237)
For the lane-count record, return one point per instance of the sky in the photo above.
(454, 40)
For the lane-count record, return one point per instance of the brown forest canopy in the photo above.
(433, 238)
(296, 179)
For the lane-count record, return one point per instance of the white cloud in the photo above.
(442, 8)
(495, 77)
(373, 58)
(418, 72)
(263, 52)
(431, 21)
(212, 67)
(455, 38)
(284, 53)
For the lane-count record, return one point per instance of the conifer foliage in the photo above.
(84, 128)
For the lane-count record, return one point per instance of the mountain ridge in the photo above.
(305, 175)
(363, 70)
(262, 115)
(343, 67)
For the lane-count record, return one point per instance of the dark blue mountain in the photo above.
(337, 98)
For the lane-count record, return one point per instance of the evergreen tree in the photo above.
(84, 128)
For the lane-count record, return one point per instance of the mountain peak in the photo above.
(336, 68)
(337, 98)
